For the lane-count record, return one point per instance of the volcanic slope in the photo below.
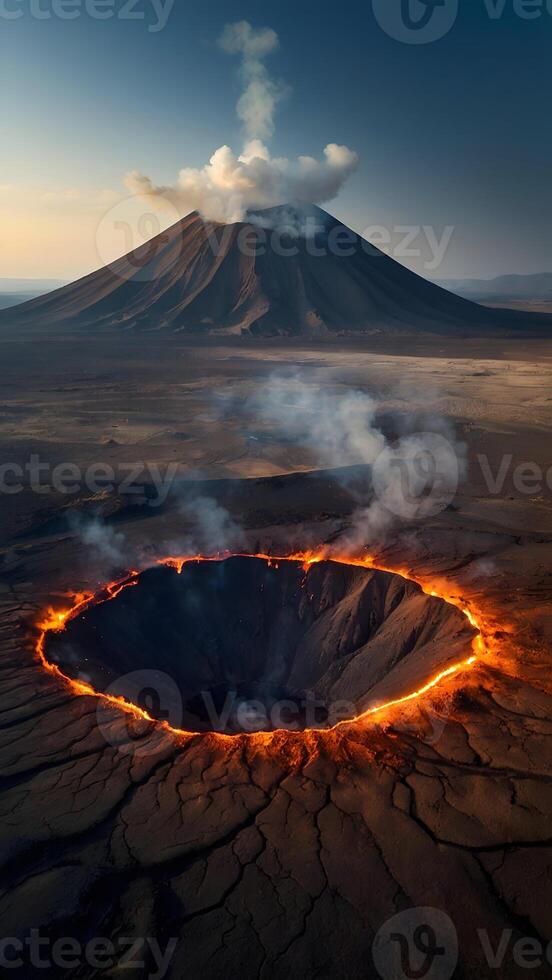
(258, 278)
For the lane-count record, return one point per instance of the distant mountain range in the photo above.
(537, 287)
(14, 291)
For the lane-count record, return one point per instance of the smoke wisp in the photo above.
(209, 529)
(231, 184)
(213, 530)
(412, 476)
(257, 104)
(405, 470)
(106, 545)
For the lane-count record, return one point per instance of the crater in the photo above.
(247, 644)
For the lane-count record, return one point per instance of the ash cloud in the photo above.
(231, 184)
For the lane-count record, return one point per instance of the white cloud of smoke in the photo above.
(412, 476)
(404, 471)
(230, 184)
(339, 429)
(257, 104)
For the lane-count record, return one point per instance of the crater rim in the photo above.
(56, 621)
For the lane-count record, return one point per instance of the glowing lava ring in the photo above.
(55, 622)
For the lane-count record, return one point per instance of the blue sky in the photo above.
(451, 133)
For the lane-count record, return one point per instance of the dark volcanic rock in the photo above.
(200, 277)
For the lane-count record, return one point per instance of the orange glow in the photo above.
(55, 620)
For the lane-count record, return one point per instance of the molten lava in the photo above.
(54, 621)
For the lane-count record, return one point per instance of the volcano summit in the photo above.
(281, 272)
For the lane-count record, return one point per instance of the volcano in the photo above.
(273, 274)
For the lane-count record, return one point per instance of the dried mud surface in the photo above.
(282, 856)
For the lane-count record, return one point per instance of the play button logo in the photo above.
(416, 21)
(416, 944)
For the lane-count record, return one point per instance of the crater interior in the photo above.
(243, 645)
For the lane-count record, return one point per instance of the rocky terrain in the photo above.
(280, 854)
(296, 847)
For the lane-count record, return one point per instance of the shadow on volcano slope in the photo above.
(251, 645)
(201, 277)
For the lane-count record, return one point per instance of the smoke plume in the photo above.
(412, 476)
(210, 530)
(213, 529)
(257, 104)
(107, 546)
(231, 184)
(338, 429)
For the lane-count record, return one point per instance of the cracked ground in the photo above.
(282, 856)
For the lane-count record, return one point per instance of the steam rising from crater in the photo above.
(230, 184)
(412, 477)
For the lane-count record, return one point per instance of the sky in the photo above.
(453, 134)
